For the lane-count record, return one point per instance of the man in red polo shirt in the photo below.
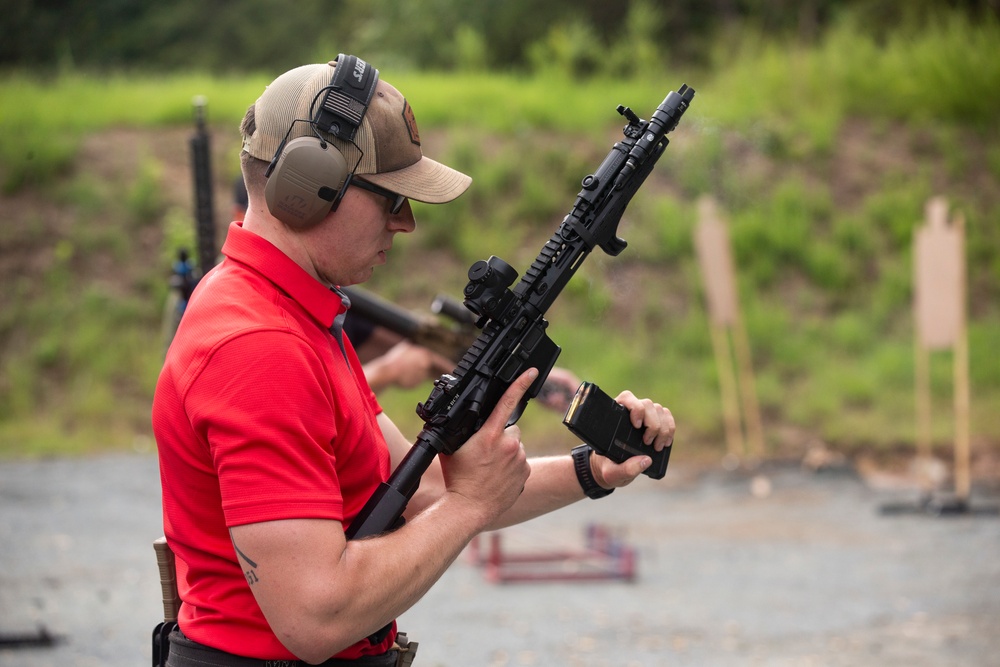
(270, 439)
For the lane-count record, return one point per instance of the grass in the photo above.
(825, 281)
(795, 99)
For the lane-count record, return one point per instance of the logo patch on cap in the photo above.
(411, 123)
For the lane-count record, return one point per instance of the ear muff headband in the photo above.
(308, 176)
(347, 98)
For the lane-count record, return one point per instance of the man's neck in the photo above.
(272, 230)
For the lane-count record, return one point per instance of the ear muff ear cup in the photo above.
(305, 182)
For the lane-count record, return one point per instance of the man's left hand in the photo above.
(659, 433)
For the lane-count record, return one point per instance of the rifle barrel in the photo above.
(381, 312)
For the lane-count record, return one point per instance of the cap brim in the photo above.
(425, 181)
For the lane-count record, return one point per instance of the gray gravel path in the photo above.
(806, 571)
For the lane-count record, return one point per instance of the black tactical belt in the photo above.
(187, 653)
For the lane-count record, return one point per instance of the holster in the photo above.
(407, 650)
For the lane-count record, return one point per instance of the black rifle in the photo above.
(513, 337)
(201, 160)
(186, 273)
(427, 331)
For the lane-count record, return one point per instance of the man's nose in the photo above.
(404, 220)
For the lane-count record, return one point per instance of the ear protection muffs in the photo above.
(308, 175)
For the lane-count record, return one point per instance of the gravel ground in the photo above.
(779, 567)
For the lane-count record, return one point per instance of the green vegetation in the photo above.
(821, 157)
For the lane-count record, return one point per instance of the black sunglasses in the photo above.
(397, 201)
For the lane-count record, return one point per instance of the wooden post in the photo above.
(940, 315)
(748, 390)
(963, 453)
(924, 435)
(727, 387)
(719, 276)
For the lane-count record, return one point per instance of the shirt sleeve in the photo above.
(263, 406)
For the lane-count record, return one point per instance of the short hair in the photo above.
(253, 169)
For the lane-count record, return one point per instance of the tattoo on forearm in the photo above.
(250, 574)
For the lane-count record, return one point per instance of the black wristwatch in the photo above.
(581, 464)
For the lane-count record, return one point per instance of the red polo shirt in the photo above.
(259, 415)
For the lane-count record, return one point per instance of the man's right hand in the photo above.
(491, 469)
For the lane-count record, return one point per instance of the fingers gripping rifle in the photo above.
(513, 337)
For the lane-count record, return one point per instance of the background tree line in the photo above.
(577, 36)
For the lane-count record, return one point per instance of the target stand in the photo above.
(603, 558)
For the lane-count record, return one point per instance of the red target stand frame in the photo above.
(603, 557)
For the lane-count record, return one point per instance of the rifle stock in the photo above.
(513, 328)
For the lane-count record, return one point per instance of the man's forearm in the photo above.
(551, 485)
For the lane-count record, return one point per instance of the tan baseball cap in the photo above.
(388, 137)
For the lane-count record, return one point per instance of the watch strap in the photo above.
(585, 475)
